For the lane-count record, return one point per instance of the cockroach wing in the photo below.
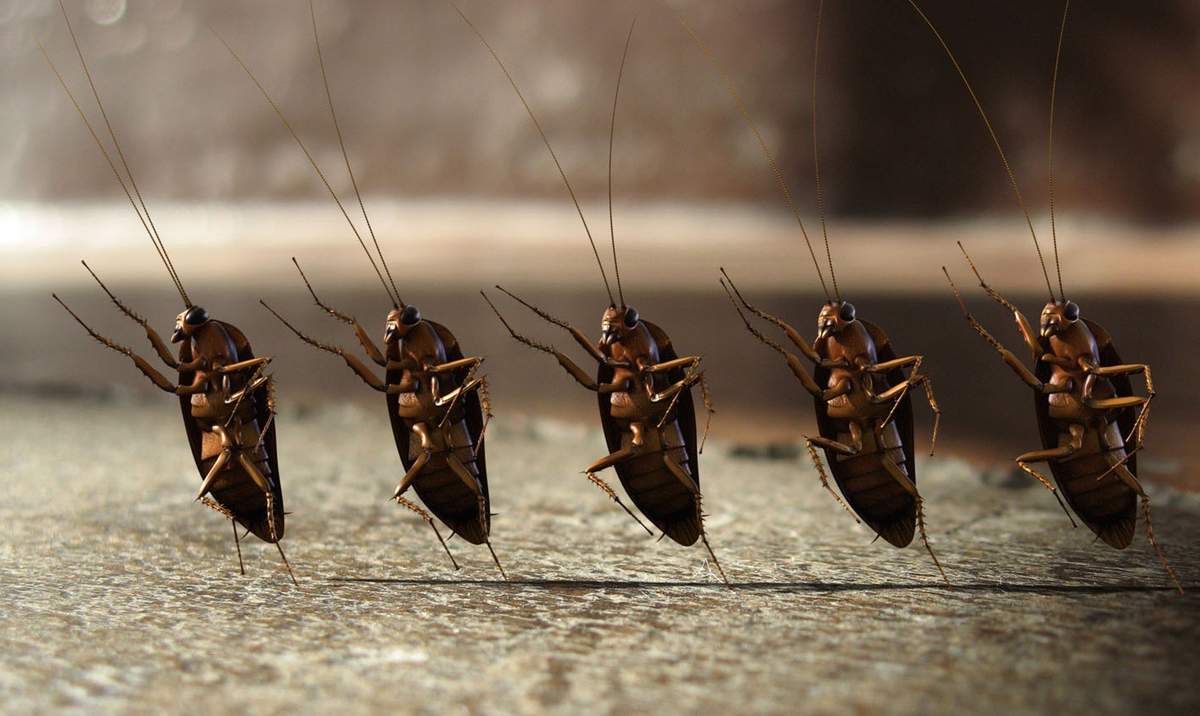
(651, 486)
(861, 478)
(239, 494)
(439, 487)
(1108, 508)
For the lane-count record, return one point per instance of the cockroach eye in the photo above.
(631, 317)
(195, 316)
(1071, 311)
(411, 316)
(846, 312)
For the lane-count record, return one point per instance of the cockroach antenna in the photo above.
(1012, 177)
(346, 156)
(612, 133)
(139, 206)
(395, 300)
(1062, 29)
(732, 89)
(545, 141)
(816, 152)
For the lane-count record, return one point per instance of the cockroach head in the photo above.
(188, 322)
(834, 316)
(1057, 316)
(400, 321)
(617, 323)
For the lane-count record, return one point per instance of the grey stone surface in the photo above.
(121, 595)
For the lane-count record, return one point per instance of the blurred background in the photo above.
(463, 195)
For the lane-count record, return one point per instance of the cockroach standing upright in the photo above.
(436, 401)
(863, 408)
(227, 401)
(1090, 423)
(643, 387)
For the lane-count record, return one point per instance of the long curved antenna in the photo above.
(288, 125)
(143, 213)
(1012, 178)
(545, 140)
(612, 133)
(741, 106)
(816, 152)
(345, 155)
(1062, 29)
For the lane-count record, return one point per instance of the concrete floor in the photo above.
(121, 595)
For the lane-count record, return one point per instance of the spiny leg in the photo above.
(706, 396)
(909, 487)
(677, 470)
(472, 483)
(219, 465)
(155, 340)
(496, 559)
(238, 544)
(608, 461)
(1127, 477)
(275, 537)
(811, 444)
(429, 519)
(417, 466)
(1023, 462)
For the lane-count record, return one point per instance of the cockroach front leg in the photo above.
(364, 339)
(355, 364)
(160, 346)
(1023, 326)
(142, 364)
(792, 334)
(568, 365)
(577, 334)
(798, 368)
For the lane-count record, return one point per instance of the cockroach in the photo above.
(227, 400)
(643, 386)
(1090, 422)
(863, 408)
(437, 403)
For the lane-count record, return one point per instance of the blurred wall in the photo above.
(426, 113)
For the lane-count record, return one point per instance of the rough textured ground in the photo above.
(119, 594)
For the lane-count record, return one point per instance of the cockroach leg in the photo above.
(364, 338)
(708, 409)
(237, 543)
(355, 364)
(219, 465)
(574, 370)
(577, 334)
(429, 519)
(1127, 477)
(472, 483)
(417, 466)
(160, 347)
(911, 489)
(598, 482)
(496, 559)
(691, 485)
(142, 364)
(792, 334)
(1058, 453)
(811, 443)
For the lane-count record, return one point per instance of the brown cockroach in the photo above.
(643, 386)
(227, 401)
(436, 402)
(1090, 423)
(863, 408)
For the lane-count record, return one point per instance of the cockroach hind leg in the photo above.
(716, 562)
(286, 563)
(1174, 577)
(496, 560)
(237, 543)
